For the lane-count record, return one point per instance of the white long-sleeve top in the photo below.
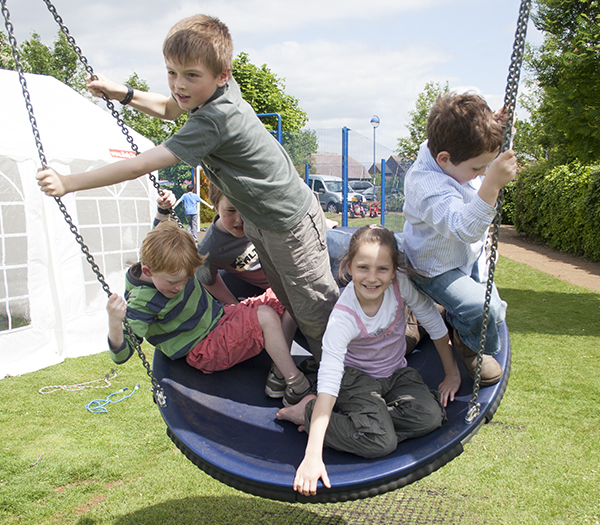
(349, 331)
(446, 222)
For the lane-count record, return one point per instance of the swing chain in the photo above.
(510, 102)
(157, 390)
(111, 107)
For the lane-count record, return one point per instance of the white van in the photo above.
(329, 190)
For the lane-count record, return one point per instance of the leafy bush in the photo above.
(508, 205)
(560, 206)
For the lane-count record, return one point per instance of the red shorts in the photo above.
(237, 336)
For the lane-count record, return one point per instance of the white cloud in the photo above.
(345, 83)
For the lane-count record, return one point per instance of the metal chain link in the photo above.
(109, 104)
(157, 390)
(510, 103)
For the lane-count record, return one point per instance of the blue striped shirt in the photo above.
(446, 222)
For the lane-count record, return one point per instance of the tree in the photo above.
(300, 145)
(408, 147)
(566, 68)
(6, 58)
(265, 92)
(60, 61)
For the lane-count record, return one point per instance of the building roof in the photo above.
(331, 164)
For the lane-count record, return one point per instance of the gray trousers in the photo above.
(372, 416)
(296, 263)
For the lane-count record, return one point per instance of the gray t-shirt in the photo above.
(243, 160)
(235, 255)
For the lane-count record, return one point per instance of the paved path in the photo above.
(570, 268)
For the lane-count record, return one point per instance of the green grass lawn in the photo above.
(537, 462)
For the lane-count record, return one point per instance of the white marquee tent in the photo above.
(51, 305)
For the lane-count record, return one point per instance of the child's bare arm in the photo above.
(220, 291)
(499, 174)
(153, 104)
(116, 308)
(312, 467)
(55, 185)
(451, 383)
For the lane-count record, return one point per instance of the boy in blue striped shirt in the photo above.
(166, 304)
(451, 192)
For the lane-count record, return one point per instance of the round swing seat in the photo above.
(225, 424)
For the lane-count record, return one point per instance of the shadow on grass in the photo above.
(224, 509)
(418, 504)
(553, 313)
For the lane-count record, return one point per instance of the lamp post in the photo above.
(375, 123)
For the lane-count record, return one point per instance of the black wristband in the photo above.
(163, 211)
(129, 95)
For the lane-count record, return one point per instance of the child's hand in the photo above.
(499, 174)
(448, 387)
(116, 307)
(307, 475)
(167, 200)
(503, 169)
(51, 183)
(103, 85)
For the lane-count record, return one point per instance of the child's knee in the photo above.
(414, 417)
(267, 317)
(379, 447)
(497, 310)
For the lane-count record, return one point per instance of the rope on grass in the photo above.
(80, 386)
(98, 406)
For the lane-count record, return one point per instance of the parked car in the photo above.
(364, 187)
(329, 190)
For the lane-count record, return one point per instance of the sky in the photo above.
(344, 60)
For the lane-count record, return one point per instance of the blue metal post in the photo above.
(306, 172)
(278, 134)
(383, 192)
(345, 176)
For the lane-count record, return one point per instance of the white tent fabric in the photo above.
(51, 305)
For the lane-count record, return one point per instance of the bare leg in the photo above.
(288, 325)
(277, 341)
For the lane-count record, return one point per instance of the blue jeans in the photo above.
(463, 296)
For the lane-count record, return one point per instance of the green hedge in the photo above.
(559, 206)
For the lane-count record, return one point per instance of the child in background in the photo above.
(451, 191)
(167, 305)
(190, 203)
(226, 247)
(379, 401)
(224, 136)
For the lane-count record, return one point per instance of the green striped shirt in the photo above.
(175, 325)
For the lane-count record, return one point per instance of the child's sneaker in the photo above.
(275, 386)
(297, 389)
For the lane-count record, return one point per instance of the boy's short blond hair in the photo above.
(464, 126)
(200, 38)
(170, 249)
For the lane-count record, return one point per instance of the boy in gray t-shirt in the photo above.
(223, 135)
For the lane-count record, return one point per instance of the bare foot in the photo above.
(295, 413)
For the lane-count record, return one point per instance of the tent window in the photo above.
(14, 295)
